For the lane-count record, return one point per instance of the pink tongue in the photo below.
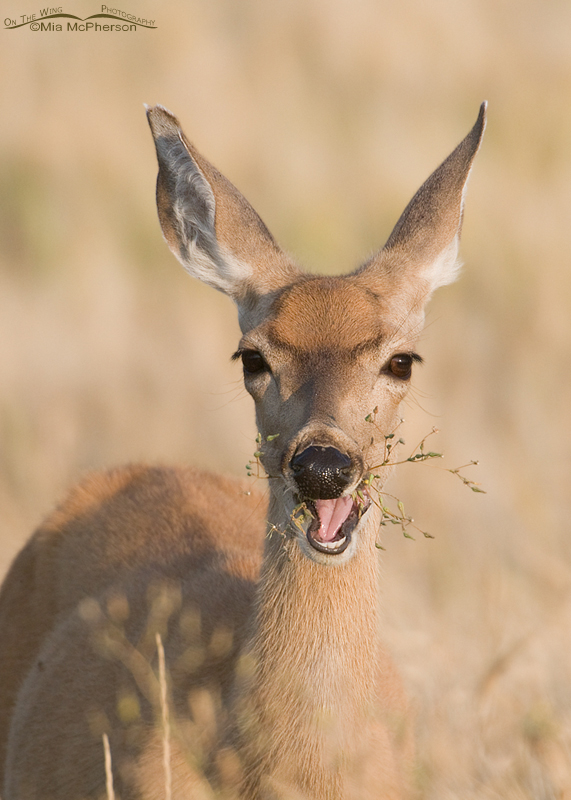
(332, 514)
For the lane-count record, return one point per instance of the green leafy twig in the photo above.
(254, 466)
(419, 455)
(300, 515)
(475, 487)
(399, 517)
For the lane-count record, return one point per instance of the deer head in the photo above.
(319, 353)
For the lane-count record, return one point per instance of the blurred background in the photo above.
(328, 116)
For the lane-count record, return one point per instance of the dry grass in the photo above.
(165, 718)
(110, 792)
(327, 116)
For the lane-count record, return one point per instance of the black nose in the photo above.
(321, 472)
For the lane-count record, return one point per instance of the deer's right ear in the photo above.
(209, 226)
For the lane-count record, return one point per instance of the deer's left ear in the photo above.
(424, 243)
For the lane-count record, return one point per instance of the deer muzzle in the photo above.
(322, 474)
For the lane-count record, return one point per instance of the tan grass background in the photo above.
(328, 116)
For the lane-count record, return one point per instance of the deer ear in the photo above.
(209, 226)
(424, 243)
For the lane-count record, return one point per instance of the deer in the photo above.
(172, 633)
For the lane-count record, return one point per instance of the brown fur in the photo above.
(279, 686)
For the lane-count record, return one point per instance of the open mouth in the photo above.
(334, 520)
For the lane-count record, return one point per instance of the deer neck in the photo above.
(306, 693)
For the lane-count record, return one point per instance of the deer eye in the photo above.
(401, 365)
(253, 362)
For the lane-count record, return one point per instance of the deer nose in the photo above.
(321, 473)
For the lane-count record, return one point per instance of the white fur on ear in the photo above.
(445, 268)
